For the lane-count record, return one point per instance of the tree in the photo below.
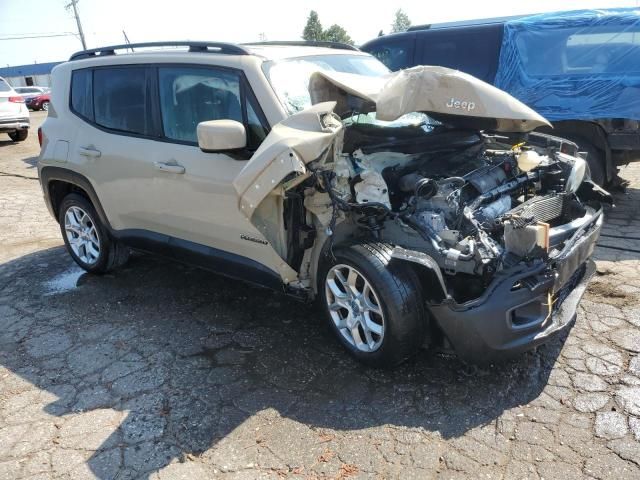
(401, 23)
(335, 33)
(313, 29)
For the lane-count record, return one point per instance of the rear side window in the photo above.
(120, 99)
(82, 93)
(4, 86)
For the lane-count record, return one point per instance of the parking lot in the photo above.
(165, 371)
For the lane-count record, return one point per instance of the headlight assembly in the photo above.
(577, 175)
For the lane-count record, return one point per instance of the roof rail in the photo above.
(419, 27)
(204, 47)
(305, 43)
(466, 23)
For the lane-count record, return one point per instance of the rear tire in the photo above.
(19, 135)
(372, 304)
(45, 106)
(86, 238)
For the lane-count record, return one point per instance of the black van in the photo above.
(581, 70)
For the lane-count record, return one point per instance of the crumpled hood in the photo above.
(447, 95)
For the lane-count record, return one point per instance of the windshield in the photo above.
(290, 77)
(414, 119)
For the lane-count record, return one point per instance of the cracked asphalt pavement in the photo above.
(164, 371)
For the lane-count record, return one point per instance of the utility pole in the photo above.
(75, 14)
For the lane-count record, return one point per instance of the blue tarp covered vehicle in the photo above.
(579, 69)
(574, 65)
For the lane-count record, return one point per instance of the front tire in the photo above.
(45, 106)
(86, 238)
(372, 304)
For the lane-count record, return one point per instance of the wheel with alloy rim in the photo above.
(354, 308)
(82, 235)
(373, 303)
(45, 106)
(86, 238)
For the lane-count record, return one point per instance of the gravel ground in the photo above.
(164, 371)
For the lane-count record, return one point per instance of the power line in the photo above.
(32, 33)
(39, 36)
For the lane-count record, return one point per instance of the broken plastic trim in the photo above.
(421, 259)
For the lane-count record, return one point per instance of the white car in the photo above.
(14, 114)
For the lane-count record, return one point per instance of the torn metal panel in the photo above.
(290, 145)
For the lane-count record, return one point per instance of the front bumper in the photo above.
(525, 306)
(13, 124)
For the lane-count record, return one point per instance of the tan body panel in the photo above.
(200, 205)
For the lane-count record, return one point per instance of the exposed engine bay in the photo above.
(492, 223)
(475, 203)
(466, 195)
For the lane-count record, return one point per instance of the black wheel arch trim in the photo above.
(49, 174)
(424, 261)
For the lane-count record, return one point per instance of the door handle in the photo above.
(169, 167)
(89, 152)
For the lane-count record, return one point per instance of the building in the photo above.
(26, 75)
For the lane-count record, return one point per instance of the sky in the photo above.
(231, 21)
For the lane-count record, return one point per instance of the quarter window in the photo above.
(120, 99)
(255, 128)
(82, 93)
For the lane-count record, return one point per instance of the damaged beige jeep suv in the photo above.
(418, 207)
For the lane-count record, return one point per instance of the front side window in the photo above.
(190, 95)
(120, 99)
(4, 86)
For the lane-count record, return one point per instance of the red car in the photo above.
(39, 102)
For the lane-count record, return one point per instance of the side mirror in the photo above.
(221, 135)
